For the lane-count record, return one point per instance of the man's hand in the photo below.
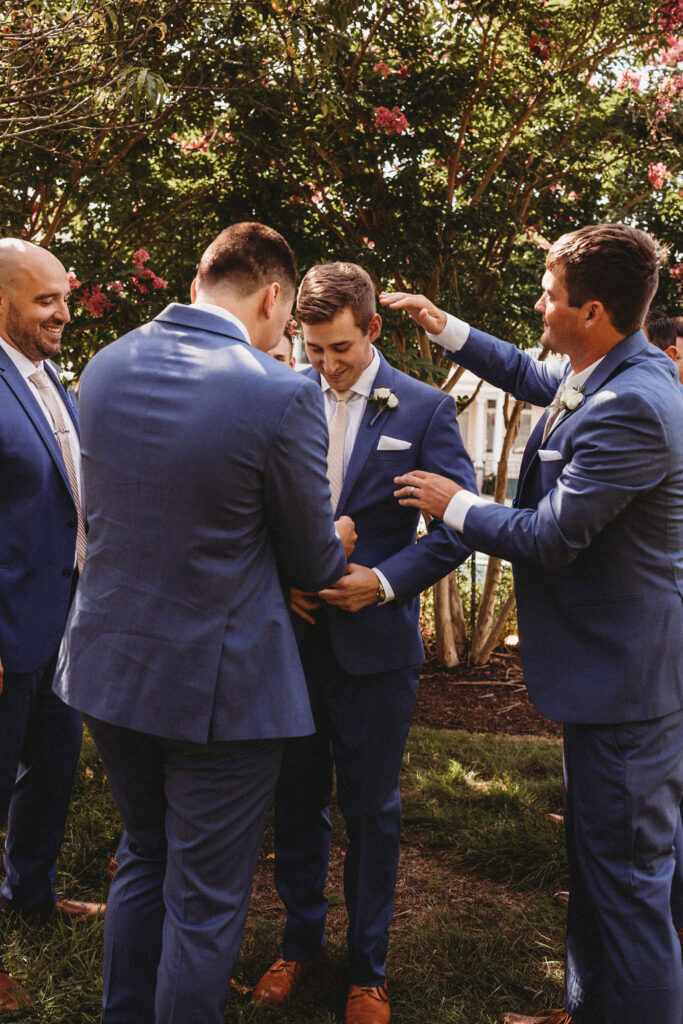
(427, 491)
(304, 604)
(356, 590)
(346, 531)
(422, 310)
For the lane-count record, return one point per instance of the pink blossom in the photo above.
(404, 71)
(676, 274)
(370, 244)
(393, 121)
(629, 80)
(116, 286)
(140, 256)
(658, 173)
(670, 15)
(383, 69)
(158, 283)
(73, 280)
(95, 301)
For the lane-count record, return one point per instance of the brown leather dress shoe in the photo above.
(545, 1017)
(12, 995)
(367, 1004)
(279, 982)
(77, 910)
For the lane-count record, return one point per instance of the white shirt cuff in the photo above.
(387, 586)
(459, 506)
(453, 336)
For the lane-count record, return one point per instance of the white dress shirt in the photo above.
(452, 338)
(26, 368)
(209, 307)
(354, 414)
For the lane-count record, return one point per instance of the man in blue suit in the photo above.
(204, 464)
(596, 542)
(41, 519)
(362, 647)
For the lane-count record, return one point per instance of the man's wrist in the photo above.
(454, 334)
(385, 592)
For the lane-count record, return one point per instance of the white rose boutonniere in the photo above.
(66, 379)
(571, 398)
(383, 398)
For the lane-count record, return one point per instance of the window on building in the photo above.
(490, 423)
(524, 431)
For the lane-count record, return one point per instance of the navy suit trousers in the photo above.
(623, 786)
(362, 724)
(40, 740)
(194, 816)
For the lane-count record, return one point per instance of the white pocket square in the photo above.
(392, 444)
(548, 455)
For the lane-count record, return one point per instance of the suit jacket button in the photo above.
(67, 572)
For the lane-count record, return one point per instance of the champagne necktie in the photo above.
(54, 407)
(335, 451)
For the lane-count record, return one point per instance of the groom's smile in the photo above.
(339, 349)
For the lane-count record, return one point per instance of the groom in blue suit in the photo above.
(204, 463)
(595, 538)
(361, 647)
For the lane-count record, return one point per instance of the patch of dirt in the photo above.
(490, 698)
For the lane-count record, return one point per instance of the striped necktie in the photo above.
(54, 407)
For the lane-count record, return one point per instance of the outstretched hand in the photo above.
(426, 491)
(422, 310)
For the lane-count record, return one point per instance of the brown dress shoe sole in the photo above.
(12, 995)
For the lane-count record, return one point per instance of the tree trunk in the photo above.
(457, 611)
(486, 630)
(446, 649)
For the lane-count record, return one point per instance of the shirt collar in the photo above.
(209, 307)
(22, 362)
(363, 385)
(577, 380)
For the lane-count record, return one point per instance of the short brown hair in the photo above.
(248, 256)
(328, 288)
(616, 264)
(678, 321)
(660, 329)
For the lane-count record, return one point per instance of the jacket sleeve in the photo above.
(620, 452)
(440, 550)
(506, 367)
(309, 554)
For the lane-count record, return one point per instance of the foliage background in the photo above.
(438, 142)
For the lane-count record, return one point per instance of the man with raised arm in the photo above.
(595, 538)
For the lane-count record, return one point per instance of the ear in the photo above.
(270, 297)
(594, 313)
(193, 291)
(374, 327)
(673, 353)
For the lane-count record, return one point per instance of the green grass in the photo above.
(476, 929)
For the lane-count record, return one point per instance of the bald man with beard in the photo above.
(42, 544)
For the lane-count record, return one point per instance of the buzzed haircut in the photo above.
(678, 321)
(614, 264)
(660, 329)
(328, 288)
(247, 256)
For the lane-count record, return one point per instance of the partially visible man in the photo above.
(661, 331)
(284, 351)
(596, 543)
(42, 533)
(360, 641)
(204, 463)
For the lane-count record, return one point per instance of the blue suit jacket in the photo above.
(596, 537)
(384, 638)
(37, 526)
(205, 469)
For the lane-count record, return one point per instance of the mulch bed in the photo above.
(491, 698)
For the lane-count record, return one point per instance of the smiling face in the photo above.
(339, 350)
(34, 296)
(561, 322)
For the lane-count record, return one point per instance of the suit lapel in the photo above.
(22, 392)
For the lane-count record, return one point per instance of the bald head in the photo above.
(34, 294)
